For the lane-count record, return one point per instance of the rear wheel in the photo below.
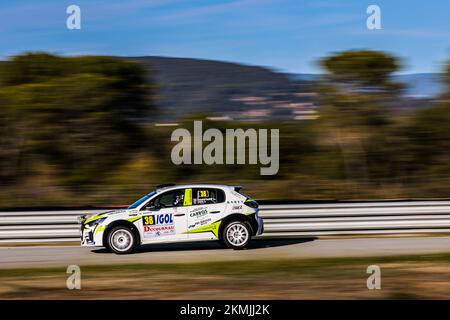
(121, 240)
(236, 235)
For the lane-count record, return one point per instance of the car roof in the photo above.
(203, 185)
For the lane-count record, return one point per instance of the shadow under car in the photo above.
(257, 243)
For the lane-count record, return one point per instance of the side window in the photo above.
(208, 196)
(169, 199)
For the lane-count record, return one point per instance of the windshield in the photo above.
(141, 200)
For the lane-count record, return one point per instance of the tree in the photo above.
(82, 115)
(355, 99)
(429, 134)
(363, 69)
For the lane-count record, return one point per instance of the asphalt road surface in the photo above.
(260, 249)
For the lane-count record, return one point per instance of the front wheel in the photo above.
(121, 240)
(236, 235)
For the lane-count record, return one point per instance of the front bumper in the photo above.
(87, 237)
(92, 237)
(260, 226)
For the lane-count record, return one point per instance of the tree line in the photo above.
(79, 130)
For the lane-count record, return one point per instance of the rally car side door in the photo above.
(164, 219)
(205, 213)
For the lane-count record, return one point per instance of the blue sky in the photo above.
(287, 35)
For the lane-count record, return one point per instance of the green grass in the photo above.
(403, 277)
(239, 267)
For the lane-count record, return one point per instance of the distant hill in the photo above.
(245, 92)
(195, 85)
(419, 85)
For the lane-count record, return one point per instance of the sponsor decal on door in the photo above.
(158, 225)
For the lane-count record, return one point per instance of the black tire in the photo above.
(236, 234)
(124, 246)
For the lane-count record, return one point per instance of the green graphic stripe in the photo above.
(213, 227)
(100, 229)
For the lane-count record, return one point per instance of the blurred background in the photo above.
(86, 115)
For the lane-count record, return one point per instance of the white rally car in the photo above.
(175, 214)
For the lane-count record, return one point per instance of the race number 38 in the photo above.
(158, 219)
(203, 193)
(149, 220)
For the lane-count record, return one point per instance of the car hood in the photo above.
(92, 217)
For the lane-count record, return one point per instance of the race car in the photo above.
(172, 213)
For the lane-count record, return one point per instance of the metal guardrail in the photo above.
(283, 220)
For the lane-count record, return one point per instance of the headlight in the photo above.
(95, 222)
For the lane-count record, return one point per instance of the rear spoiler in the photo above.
(237, 188)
